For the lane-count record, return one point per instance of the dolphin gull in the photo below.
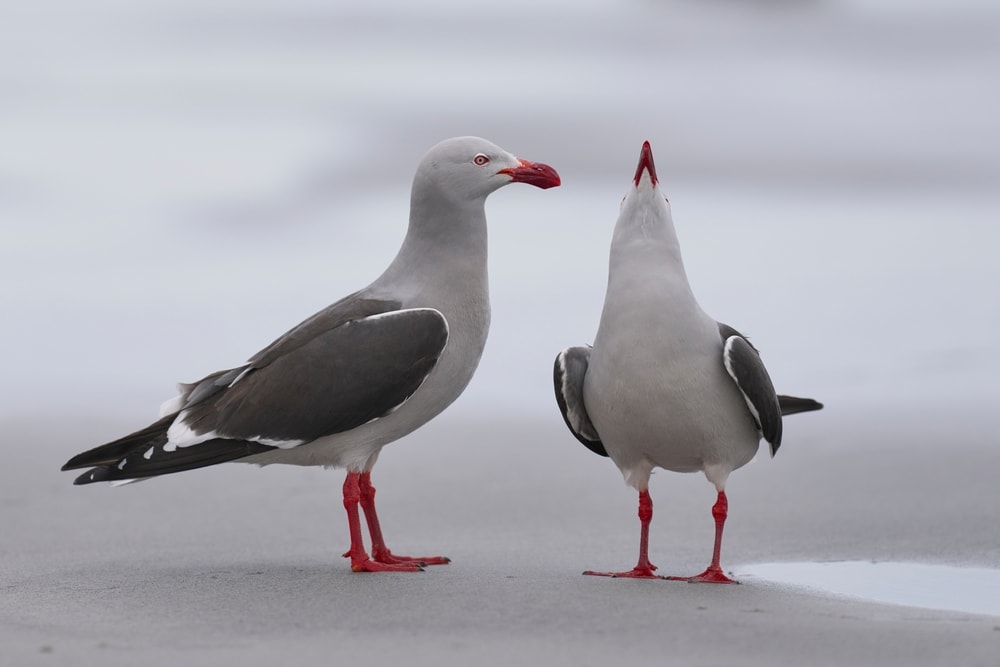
(359, 374)
(665, 385)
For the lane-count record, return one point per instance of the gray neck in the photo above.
(645, 248)
(646, 233)
(444, 252)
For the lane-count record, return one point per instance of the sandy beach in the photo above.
(237, 565)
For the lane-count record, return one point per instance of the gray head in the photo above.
(470, 168)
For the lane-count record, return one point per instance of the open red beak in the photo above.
(533, 173)
(646, 163)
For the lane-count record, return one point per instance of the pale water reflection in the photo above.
(967, 589)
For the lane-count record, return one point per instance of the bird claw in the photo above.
(386, 561)
(388, 558)
(635, 573)
(369, 565)
(713, 575)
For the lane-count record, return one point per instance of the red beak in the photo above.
(533, 173)
(646, 163)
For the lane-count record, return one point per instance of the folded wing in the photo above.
(334, 372)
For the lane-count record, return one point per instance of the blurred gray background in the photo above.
(181, 182)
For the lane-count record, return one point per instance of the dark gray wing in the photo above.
(349, 308)
(316, 380)
(568, 374)
(744, 365)
(336, 380)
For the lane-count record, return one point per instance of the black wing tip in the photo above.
(98, 474)
(774, 434)
(79, 461)
(111, 452)
(135, 464)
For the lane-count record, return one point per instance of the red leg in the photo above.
(360, 562)
(714, 574)
(643, 569)
(380, 552)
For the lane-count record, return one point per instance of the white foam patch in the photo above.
(973, 590)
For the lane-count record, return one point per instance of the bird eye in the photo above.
(481, 159)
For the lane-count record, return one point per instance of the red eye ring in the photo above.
(481, 159)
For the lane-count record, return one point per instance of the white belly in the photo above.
(667, 403)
